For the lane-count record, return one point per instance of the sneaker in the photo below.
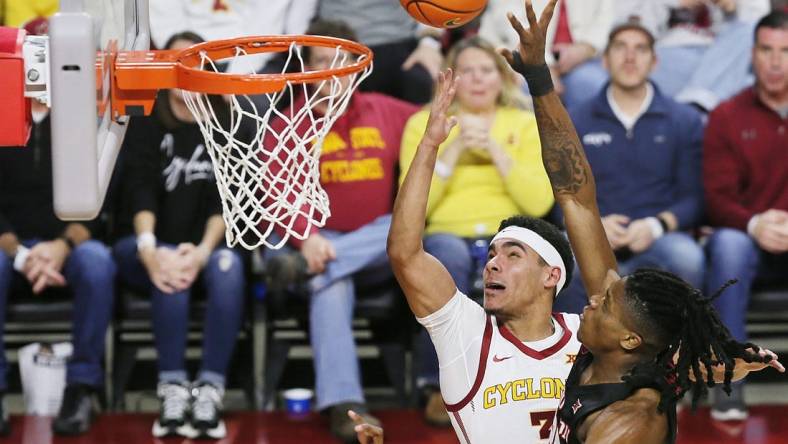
(206, 415)
(76, 411)
(174, 410)
(342, 426)
(435, 413)
(729, 408)
(5, 424)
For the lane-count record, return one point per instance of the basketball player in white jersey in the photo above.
(503, 366)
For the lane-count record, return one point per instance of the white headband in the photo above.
(544, 249)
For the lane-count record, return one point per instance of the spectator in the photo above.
(576, 37)
(703, 46)
(489, 168)
(407, 55)
(644, 150)
(358, 164)
(172, 214)
(17, 13)
(224, 19)
(49, 256)
(745, 174)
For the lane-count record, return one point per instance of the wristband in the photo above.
(21, 257)
(146, 240)
(206, 252)
(442, 170)
(657, 227)
(430, 42)
(663, 223)
(751, 225)
(538, 77)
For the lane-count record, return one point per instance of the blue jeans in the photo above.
(90, 274)
(675, 252)
(732, 254)
(224, 283)
(707, 75)
(332, 299)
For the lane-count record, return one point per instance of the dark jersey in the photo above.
(581, 401)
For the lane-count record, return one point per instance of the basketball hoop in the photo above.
(262, 187)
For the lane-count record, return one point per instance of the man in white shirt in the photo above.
(225, 19)
(703, 46)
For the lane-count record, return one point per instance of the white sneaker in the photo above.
(731, 414)
(206, 418)
(174, 410)
(729, 408)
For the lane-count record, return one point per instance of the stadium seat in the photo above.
(382, 320)
(133, 337)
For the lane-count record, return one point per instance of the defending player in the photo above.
(648, 337)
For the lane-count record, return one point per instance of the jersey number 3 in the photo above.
(544, 420)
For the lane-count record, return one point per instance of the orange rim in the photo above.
(138, 75)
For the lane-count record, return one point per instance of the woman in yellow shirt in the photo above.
(17, 13)
(489, 168)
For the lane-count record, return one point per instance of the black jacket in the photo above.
(26, 202)
(168, 171)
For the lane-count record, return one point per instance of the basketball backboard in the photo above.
(85, 139)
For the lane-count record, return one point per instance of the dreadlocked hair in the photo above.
(677, 319)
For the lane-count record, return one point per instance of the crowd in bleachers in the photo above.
(682, 111)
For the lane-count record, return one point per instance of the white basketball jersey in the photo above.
(517, 389)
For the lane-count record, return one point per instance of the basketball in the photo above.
(444, 13)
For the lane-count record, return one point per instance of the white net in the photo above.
(269, 183)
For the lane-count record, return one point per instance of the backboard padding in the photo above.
(85, 140)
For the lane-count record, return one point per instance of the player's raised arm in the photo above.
(425, 281)
(562, 153)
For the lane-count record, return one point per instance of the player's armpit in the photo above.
(427, 284)
(628, 422)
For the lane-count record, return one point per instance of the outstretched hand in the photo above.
(439, 124)
(772, 360)
(532, 40)
(365, 432)
(741, 367)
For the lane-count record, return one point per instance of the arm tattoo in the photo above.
(562, 154)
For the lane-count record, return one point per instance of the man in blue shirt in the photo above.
(645, 152)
